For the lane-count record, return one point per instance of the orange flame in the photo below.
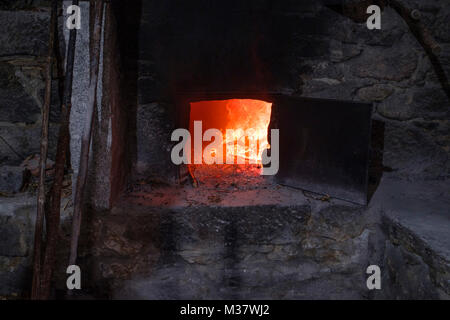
(249, 120)
(244, 125)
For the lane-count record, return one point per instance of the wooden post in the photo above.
(87, 132)
(61, 152)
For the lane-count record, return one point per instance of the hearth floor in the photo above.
(223, 186)
(200, 239)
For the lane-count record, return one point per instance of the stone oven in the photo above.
(169, 64)
(363, 155)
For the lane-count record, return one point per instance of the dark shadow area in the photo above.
(231, 277)
(376, 167)
(167, 239)
(128, 17)
(168, 248)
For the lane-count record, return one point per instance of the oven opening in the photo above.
(228, 136)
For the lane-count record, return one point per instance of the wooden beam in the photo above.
(96, 36)
(53, 216)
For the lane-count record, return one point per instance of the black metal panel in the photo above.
(324, 145)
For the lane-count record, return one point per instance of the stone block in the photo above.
(24, 32)
(25, 141)
(16, 102)
(416, 102)
(411, 151)
(11, 179)
(393, 64)
(15, 275)
(13, 237)
(377, 92)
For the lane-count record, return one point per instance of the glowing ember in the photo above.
(244, 125)
(248, 121)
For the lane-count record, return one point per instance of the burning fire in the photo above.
(249, 121)
(244, 125)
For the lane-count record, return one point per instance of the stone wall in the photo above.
(291, 251)
(299, 48)
(303, 251)
(304, 48)
(23, 48)
(391, 69)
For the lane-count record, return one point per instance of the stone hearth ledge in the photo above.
(292, 247)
